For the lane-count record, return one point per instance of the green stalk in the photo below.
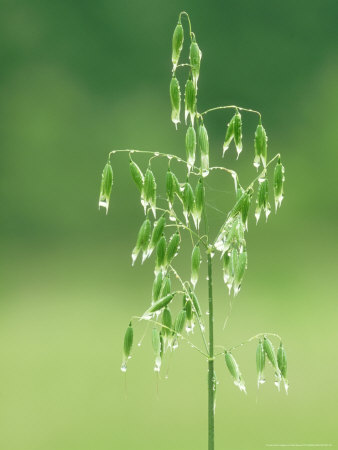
(211, 375)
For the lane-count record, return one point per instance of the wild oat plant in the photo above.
(184, 211)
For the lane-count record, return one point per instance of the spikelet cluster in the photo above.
(233, 368)
(173, 205)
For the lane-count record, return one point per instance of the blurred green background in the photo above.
(80, 78)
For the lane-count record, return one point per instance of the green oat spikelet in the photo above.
(283, 365)
(142, 242)
(180, 321)
(156, 341)
(166, 287)
(262, 202)
(261, 146)
(136, 174)
(188, 201)
(127, 346)
(162, 345)
(240, 269)
(227, 276)
(190, 101)
(170, 188)
(233, 264)
(189, 315)
(173, 246)
(229, 135)
(175, 98)
(242, 206)
(106, 186)
(246, 201)
(177, 44)
(270, 352)
(238, 132)
(157, 286)
(161, 249)
(156, 234)
(190, 147)
(260, 363)
(234, 371)
(166, 322)
(195, 264)
(188, 308)
(279, 179)
(199, 203)
(184, 300)
(195, 60)
(281, 360)
(160, 304)
(195, 302)
(203, 142)
(150, 190)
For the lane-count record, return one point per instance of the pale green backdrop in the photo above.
(79, 78)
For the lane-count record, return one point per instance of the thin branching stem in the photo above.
(230, 107)
(180, 224)
(184, 13)
(211, 370)
(233, 241)
(200, 324)
(148, 152)
(232, 172)
(169, 156)
(257, 336)
(172, 331)
(251, 185)
(183, 65)
(263, 171)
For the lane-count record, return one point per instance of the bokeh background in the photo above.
(79, 78)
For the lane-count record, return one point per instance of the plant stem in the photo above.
(231, 107)
(211, 372)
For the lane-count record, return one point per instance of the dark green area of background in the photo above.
(79, 78)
